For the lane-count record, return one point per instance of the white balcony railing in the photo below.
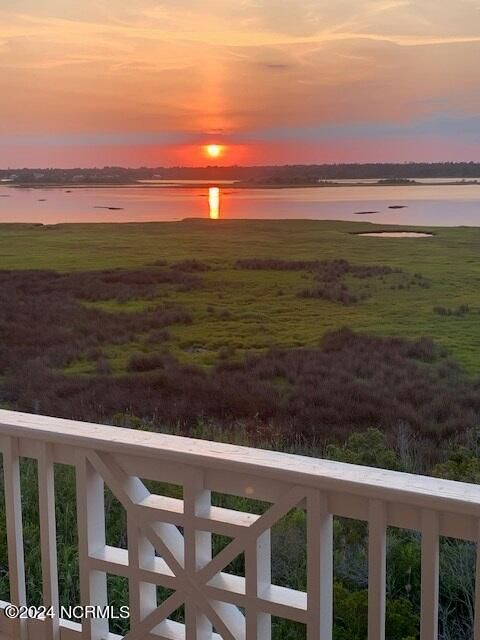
(169, 540)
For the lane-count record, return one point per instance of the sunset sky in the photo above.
(140, 82)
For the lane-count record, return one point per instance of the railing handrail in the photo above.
(369, 482)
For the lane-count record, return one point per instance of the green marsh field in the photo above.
(245, 309)
(301, 336)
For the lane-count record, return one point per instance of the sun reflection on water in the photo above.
(214, 202)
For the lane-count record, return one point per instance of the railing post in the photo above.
(91, 539)
(476, 624)
(198, 549)
(257, 579)
(430, 572)
(48, 539)
(320, 567)
(13, 509)
(377, 539)
(141, 555)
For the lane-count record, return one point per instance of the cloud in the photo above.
(275, 66)
(442, 126)
(193, 67)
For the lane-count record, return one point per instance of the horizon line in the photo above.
(243, 166)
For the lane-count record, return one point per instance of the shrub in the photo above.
(331, 275)
(332, 292)
(351, 382)
(41, 316)
(368, 448)
(158, 335)
(225, 352)
(103, 366)
(460, 311)
(146, 362)
(191, 266)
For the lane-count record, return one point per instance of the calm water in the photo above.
(396, 234)
(437, 204)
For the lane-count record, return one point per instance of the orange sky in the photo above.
(149, 82)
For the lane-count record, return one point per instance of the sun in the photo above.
(213, 150)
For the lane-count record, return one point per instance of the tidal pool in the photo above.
(397, 234)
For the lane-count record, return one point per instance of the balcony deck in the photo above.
(169, 539)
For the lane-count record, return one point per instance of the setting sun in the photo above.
(213, 150)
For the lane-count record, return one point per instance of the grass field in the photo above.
(222, 311)
(257, 309)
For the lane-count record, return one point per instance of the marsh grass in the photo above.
(201, 328)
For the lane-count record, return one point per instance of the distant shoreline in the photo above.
(233, 185)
